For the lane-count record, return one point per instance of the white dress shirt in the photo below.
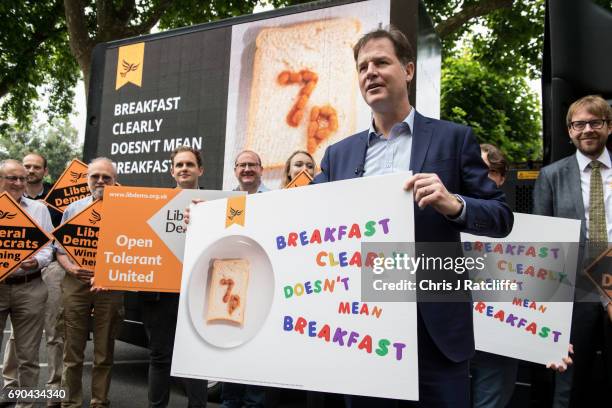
(585, 185)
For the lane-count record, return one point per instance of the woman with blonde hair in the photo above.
(298, 161)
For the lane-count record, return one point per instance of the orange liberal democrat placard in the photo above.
(79, 235)
(20, 236)
(69, 187)
(303, 178)
(131, 254)
(143, 238)
(600, 272)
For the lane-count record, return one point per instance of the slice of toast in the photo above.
(227, 290)
(323, 50)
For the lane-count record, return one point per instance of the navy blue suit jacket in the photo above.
(451, 151)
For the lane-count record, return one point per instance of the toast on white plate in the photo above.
(227, 291)
(304, 89)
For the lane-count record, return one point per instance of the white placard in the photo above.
(371, 350)
(541, 254)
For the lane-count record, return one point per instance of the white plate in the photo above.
(259, 297)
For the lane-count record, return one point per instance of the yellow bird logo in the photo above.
(127, 68)
(234, 213)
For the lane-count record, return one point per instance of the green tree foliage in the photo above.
(47, 44)
(35, 56)
(501, 109)
(509, 35)
(57, 141)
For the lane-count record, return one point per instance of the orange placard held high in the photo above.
(79, 235)
(71, 186)
(20, 236)
(303, 178)
(143, 239)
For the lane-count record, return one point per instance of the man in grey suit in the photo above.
(580, 187)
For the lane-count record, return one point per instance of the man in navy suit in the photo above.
(452, 191)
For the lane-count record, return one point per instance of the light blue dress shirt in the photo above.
(389, 155)
(392, 154)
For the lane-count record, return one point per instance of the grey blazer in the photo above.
(557, 192)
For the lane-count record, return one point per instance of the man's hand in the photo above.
(429, 190)
(30, 264)
(187, 211)
(567, 361)
(95, 288)
(84, 275)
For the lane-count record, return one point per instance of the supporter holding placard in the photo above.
(579, 187)
(299, 164)
(159, 309)
(450, 187)
(23, 293)
(37, 189)
(78, 298)
(248, 171)
(493, 376)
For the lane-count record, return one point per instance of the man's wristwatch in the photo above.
(461, 202)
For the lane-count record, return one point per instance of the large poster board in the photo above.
(216, 88)
(143, 237)
(285, 78)
(269, 297)
(541, 255)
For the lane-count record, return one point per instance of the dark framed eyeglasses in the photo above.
(580, 125)
(105, 178)
(14, 179)
(243, 166)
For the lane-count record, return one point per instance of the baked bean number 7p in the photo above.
(323, 120)
(233, 301)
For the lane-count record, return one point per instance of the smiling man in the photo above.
(580, 187)
(78, 299)
(159, 310)
(450, 187)
(248, 170)
(36, 189)
(23, 294)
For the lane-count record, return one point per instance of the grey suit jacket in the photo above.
(557, 192)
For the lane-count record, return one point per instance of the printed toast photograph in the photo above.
(230, 291)
(297, 74)
(293, 85)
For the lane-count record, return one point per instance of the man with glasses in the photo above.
(78, 299)
(37, 189)
(248, 170)
(23, 294)
(580, 187)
